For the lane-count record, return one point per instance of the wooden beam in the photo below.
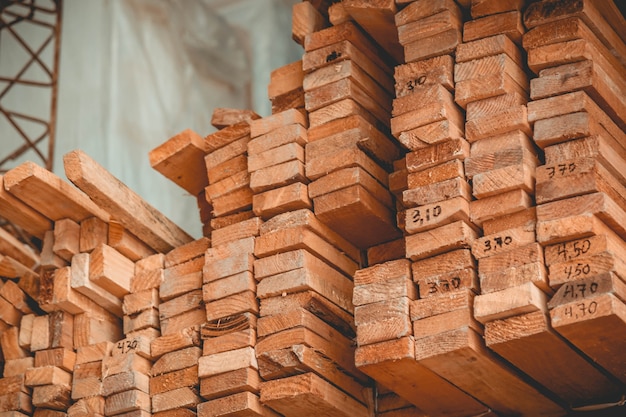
(134, 213)
(50, 195)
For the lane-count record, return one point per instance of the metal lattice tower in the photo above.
(29, 62)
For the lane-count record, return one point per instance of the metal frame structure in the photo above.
(31, 132)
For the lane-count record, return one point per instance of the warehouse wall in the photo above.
(134, 73)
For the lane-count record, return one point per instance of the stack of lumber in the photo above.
(276, 163)
(502, 165)
(348, 91)
(226, 364)
(578, 109)
(430, 223)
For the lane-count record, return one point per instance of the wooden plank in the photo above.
(19, 213)
(125, 381)
(349, 69)
(603, 19)
(499, 205)
(493, 106)
(595, 204)
(343, 50)
(301, 237)
(184, 397)
(347, 177)
(54, 397)
(554, 182)
(349, 148)
(508, 23)
(488, 7)
(377, 19)
(233, 333)
(601, 84)
(267, 124)
(457, 235)
(302, 279)
(574, 50)
(437, 192)
(225, 287)
(513, 301)
(244, 302)
(61, 357)
(430, 134)
(283, 153)
(584, 322)
(180, 304)
(292, 133)
(415, 116)
(281, 200)
(163, 279)
(174, 324)
(415, 11)
(294, 360)
(127, 401)
(277, 176)
(308, 393)
(331, 344)
(226, 136)
(307, 218)
(127, 243)
(348, 209)
(485, 87)
(510, 119)
(429, 26)
(226, 186)
(49, 194)
(444, 43)
(376, 274)
(576, 102)
(226, 362)
(337, 14)
(93, 231)
(81, 282)
(502, 241)
(341, 109)
(437, 154)
(187, 252)
(377, 105)
(111, 270)
(188, 337)
(243, 403)
(491, 381)
(499, 158)
(448, 170)
(306, 19)
(385, 252)
(11, 246)
(129, 209)
(569, 375)
(393, 364)
(181, 159)
(497, 181)
(313, 302)
(228, 383)
(347, 31)
(527, 254)
(382, 321)
(430, 216)
(410, 77)
(11, 292)
(223, 117)
(244, 226)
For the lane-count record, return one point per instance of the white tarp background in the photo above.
(135, 72)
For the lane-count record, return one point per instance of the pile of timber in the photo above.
(430, 223)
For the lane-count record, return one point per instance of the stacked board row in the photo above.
(430, 223)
